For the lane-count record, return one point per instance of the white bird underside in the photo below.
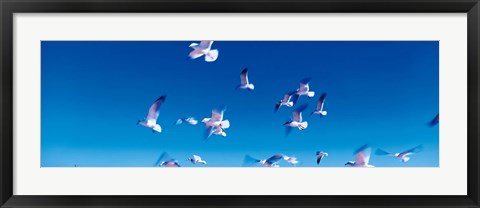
(204, 48)
(244, 83)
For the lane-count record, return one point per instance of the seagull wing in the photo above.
(434, 121)
(304, 84)
(383, 152)
(208, 132)
(206, 44)
(195, 53)
(319, 158)
(162, 157)
(244, 76)
(363, 155)
(154, 110)
(217, 114)
(297, 113)
(321, 101)
(416, 149)
(274, 159)
(249, 161)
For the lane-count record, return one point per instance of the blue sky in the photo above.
(379, 92)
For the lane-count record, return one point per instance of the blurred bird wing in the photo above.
(297, 116)
(196, 53)
(274, 159)
(206, 44)
(321, 101)
(319, 158)
(416, 149)
(363, 157)
(297, 113)
(208, 132)
(154, 110)
(217, 115)
(304, 87)
(383, 152)
(244, 76)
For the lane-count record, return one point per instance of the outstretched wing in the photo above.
(297, 113)
(319, 158)
(217, 114)
(164, 156)
(249, 161)
(304, 84)
(383, 152)
(363, 155)
(197, 158)
(274, 159)
(206, 44)
(154, 110)
(195, 53)
(208, 132)
(434, 121)
(244, 76)
(321, 101)
(416, 149)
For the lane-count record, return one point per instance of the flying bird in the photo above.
(166, 161)
(289, 100)
(319, 109)
(190, 120)
(434, 121)
(216, 124)
(204, 48)
(244, 83)
(270, 162)
(297, 122)
(153, 112)
(305, 88)
(402, 156)
(362, 157)
(195, 159)
(320, 156)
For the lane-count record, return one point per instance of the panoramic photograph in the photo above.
(240, 104)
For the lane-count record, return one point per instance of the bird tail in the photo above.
(311, 94)
(382, 152)
(225, 124)
(303, 125)
(212, 56)
(249, 161)
(251, 87)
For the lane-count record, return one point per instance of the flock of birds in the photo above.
(216, 125)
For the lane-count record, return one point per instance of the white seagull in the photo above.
(320, 156)
(196, 160)
(190, 120)
(204, 48)
(305, 88)
(153, 112)
(319, 110)
(402, 156)
(244, 83)
(362, 158)
(216, 124)
(289, 100)
(296, 122)
(270, 162)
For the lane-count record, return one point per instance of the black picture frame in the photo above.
(9, 7)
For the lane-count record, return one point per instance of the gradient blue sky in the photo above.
(379, 92)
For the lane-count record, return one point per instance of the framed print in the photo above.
(246, 104)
